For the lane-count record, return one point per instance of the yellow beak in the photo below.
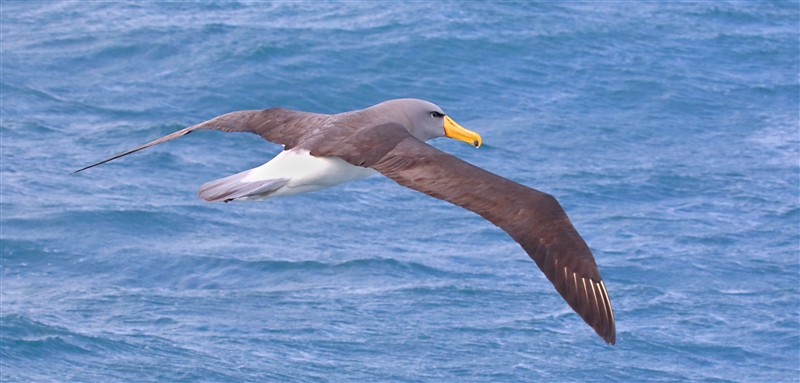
(453, 130)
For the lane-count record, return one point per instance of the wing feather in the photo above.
(281, 126)
(532, 218)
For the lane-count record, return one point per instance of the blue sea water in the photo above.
(669, 131)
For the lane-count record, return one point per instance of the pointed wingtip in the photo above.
(589, 299)
(609, 324)
(102, 162)
(611, 337)
(168, 137)
(83, 168)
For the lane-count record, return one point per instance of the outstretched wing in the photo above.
(534, 219)
(281, 126)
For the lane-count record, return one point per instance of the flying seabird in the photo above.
(322, 150)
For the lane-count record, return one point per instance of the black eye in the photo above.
(436, 114)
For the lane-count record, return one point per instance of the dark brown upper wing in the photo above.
(281, 126)
(534, 219)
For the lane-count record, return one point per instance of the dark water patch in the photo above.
(212, 273)
(30, 344)
(25, 338)
(57, 44)
(95, 223)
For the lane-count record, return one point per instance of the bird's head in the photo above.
(425, 120)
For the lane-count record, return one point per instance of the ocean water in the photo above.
(669, 132)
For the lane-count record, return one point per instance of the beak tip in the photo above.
(455, 131)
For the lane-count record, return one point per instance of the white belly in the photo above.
(305, 173)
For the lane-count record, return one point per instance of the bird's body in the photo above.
(291, 172)
(322, 150)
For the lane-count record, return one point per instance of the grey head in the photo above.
(424, 120)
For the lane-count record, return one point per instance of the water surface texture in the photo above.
(668, 131)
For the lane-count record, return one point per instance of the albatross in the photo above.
(324, 150)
